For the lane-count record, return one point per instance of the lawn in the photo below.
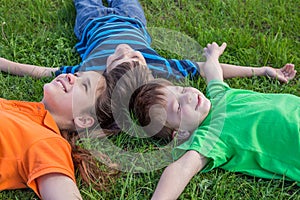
(258, 33)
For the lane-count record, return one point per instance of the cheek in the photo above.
(77, 97)
(207, 105)
(187, 115)
(50, 94)
(81, 102)
(109, 58)
(47, 88)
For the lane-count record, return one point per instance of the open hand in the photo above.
(214, 50)
(283, 74)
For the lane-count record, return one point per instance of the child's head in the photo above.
(174, 108)
(124, 54)
(71, 98)
(122, 80)
(83, 100)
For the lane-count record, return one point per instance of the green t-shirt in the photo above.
(254, 133)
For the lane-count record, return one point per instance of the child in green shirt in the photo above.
(237, 130)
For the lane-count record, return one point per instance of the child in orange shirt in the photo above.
(33, 153)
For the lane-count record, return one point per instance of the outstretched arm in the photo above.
(212, 68)
(25, 69)
(178, 174)
(283, 74)
(58, 186)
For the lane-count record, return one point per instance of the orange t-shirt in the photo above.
(30, 145)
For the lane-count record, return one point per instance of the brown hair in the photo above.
(128, 88)
(91, 170)
(104, 103)
(112, 105)
(90, 167)
(143, 100)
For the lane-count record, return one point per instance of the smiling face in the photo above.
(124, 53)
(69, 96)
(186, 107)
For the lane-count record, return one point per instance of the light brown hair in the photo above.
(91, 169)
(120, 82)
(141, 106)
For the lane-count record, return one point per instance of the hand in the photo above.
(214, 50)
(283, 74)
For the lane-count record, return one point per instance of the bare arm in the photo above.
(178, 174)
(212, 68)
(25, 69)
(57, 186)
(283, 74)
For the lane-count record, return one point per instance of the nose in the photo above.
(71, 78)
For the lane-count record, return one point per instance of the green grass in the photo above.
(257, 33)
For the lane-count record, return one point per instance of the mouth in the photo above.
(61, 85)
(198, 102)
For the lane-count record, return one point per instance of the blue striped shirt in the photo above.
(102, 35)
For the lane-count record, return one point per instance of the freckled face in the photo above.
(124, 53)
(69, 95)
(186, 107)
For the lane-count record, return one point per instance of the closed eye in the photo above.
(87, 84)
(85, 87)
(179, 108)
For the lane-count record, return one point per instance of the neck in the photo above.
(60, 120)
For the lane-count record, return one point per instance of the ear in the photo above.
(85, 121)
(174, 133)
(181, 134)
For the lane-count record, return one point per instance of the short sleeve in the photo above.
(206, 139)
(52, 155)
(186, 68)
(67, 69)
(216, 88)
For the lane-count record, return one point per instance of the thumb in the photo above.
(223, 46)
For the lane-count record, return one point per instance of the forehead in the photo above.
(170, 91)
(90, 74)
(96, 80)
(169, 95)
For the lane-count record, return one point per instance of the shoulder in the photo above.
(216, 88)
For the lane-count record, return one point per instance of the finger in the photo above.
(286, 68)
(292, 75)
(281, 76)
(283, 79)
(290, 67)
(223, 46)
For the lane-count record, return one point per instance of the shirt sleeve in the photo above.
(187, 68)
(216, 88)
(52, 155)
(206, 138)
(67, 69)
